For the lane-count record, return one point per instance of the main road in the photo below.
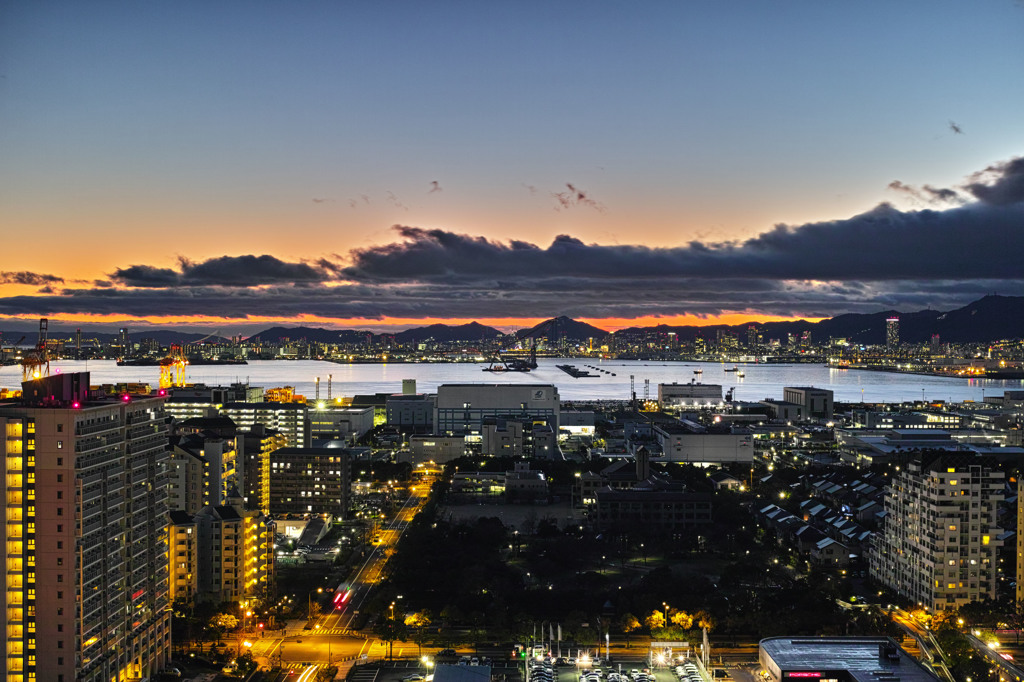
(330, 637)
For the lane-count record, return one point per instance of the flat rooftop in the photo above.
(857, 655)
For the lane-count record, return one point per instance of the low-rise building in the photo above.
(839, 659)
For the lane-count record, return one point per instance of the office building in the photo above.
(411, 413)
(85, 527)
(817, 402)
(892, 333)
(650, 508)
(939, 544)
(461, 408)
(685, 441)
(688, 395)
(329, 421)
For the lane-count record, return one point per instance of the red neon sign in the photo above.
(803, 674)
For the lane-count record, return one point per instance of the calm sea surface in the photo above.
(761, 381)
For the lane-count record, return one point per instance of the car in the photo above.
(415, 677)
(447, 652)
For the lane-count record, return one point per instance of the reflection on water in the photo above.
(759, 382)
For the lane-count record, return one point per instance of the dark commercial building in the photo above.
(839, 659)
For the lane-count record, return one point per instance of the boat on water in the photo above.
(197, 362)
(734, 368)
(698, 371)
(508, 365)
(740, 374)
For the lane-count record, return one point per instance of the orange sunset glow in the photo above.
(394, 324)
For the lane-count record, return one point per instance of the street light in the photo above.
(309, 599)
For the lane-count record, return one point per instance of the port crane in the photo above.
(36, 364)
(172, 368)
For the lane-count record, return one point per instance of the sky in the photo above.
(382, 165)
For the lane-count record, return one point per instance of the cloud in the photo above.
(225, 271)
(1000, 184)
(883, 258)
(881, 244)
(926, 194)
(573, 196)
(30, 278)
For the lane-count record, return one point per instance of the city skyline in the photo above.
(368, 167)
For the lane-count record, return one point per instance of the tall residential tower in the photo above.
(85, 524)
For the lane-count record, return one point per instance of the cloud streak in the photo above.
(29, 278)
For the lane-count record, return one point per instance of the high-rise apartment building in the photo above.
(939, 544)
(254, 450)
(310, 481)
(85, 521)
(892, 333)
(203, 467)
(222, 553)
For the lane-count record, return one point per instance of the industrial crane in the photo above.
(172, 368)
(37, 363)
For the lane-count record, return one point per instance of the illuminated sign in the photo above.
(803, 674)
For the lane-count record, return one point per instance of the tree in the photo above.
(655, 621)
(418, 622)
(682, 619)
(628, 623)
(390, 629)
(326, 674)
(705, 620)
(245, 664)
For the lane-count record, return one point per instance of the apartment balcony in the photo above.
(88, 430)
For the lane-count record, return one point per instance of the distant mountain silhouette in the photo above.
(163, 337)
(311, 335)
(988, 319)
(562, 328)
(474, 331)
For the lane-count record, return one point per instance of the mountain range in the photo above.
(990, 318)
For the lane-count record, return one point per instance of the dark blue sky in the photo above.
(134, 133)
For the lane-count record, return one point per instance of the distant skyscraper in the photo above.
(752, 337)
(892, 333)
(123, 340)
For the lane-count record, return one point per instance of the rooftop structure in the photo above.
(840, 659)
